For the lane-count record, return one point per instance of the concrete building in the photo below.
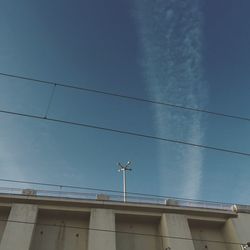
(32, 222)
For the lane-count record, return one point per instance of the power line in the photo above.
(139, 99)
(121, 232)
(106, 190)
(118, 131)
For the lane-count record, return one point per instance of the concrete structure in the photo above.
(30, 222)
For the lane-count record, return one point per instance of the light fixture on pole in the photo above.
(123, 169)
(245, 246)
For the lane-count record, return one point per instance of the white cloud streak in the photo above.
(170, 32)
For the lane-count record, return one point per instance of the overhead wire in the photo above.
(131, 133)
(121, 232)
(128, 97)
(55, 84)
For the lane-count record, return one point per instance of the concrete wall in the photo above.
(237, 230)
(242, 227)
(204, 232)
(175, 227)
(67, 226)
(19, 228)
(130, 230)
(4, 214)
(102, 233)
(230, 235)
(61, 231)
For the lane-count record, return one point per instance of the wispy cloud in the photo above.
(171, 41)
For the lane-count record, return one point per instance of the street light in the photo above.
(123, 169)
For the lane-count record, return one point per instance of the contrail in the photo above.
(170, 32)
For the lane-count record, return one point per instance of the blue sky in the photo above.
(194, 53)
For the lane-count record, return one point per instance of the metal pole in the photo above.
(124, 169)
(124, 185)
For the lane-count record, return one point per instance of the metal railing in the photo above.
(116, 197)
(40, 189)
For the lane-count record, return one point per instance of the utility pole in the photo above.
(123, 169)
